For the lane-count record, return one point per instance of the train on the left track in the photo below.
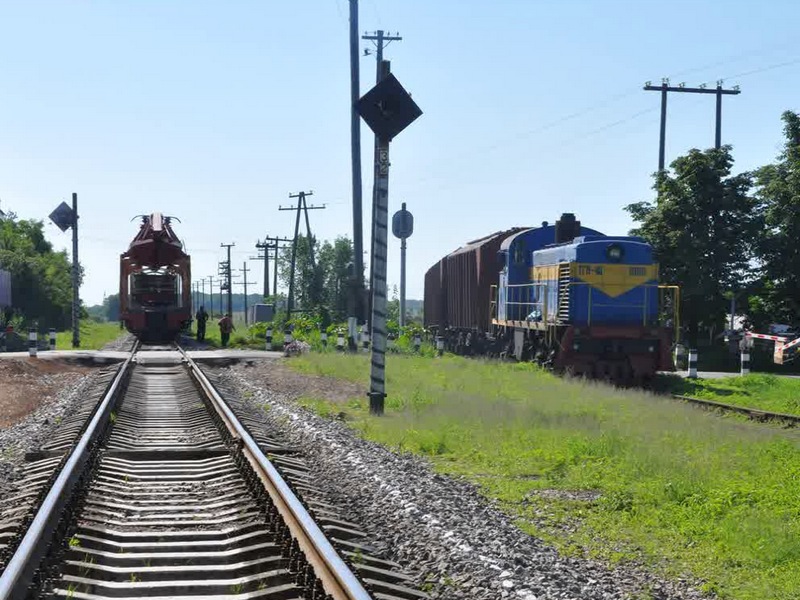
(155, 282)
(566, 296)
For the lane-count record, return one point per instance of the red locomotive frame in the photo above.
(155, 282)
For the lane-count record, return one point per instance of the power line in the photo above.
(665, 88)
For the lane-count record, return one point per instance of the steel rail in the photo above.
(336, 577)
(19, 571)
(756, 414)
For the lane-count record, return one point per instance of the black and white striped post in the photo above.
(692, 364)
(323, 335)
(388, 109)
(287, 337)
(32, 342)
(340, 341)
(417, 342)
(745, 361)
(365, 339)
(269, 338)
(52, 338)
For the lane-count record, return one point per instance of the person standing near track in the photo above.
(202, 317)
(225, 328)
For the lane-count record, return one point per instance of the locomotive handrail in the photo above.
(528, 302)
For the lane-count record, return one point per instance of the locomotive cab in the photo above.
(155, 292)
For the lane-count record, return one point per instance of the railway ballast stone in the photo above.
(455, 542)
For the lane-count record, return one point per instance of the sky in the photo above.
(214, 112)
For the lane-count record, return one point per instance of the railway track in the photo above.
(755, 414)
(166, 494)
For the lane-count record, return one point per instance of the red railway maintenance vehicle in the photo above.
(155, 282)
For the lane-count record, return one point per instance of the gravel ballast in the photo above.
(30, 433)
(455, 543)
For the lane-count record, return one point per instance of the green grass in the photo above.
(93, 335)
(758, 390)
(682, 490)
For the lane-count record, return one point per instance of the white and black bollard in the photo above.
(417, 343)
(287, 337)
(52, 338)
(692, 364)
(440, 345)
(745, 361)
(340, 342)
(365, 339)
(32, 342)
(269, 338)
(324, 337)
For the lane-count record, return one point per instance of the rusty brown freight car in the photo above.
(461, 298)
(434, 313)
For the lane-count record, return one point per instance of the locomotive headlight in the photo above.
(614, 253)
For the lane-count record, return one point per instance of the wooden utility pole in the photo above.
(227, 273)
(301, 206)
(269, 243)
(244, 270)
(665, 88)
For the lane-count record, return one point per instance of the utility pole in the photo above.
(301, 206)
(227, 272)
(221, 284)
(268, 244)
(355, 311)
(245, 270)
(380, 39)
(665, 88)
(211, 292)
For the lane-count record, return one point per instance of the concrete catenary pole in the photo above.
(357, 284)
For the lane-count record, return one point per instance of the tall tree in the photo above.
(778, 188)
(333, 261)
(308, 280)
(704, 228)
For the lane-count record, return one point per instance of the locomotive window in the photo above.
(519, 253)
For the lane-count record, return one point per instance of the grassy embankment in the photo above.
(93, 335)
(757, 390)
(680, 489)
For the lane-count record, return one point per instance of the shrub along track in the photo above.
(166, 494)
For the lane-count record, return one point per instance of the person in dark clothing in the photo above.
(225, 328)
(202, 317)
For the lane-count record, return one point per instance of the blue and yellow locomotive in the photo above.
(566, 296)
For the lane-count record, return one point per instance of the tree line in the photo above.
(719, 234)
(41, 279)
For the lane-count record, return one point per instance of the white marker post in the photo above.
(692, 364)
(32, 342)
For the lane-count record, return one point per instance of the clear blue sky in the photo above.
(215, 111)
